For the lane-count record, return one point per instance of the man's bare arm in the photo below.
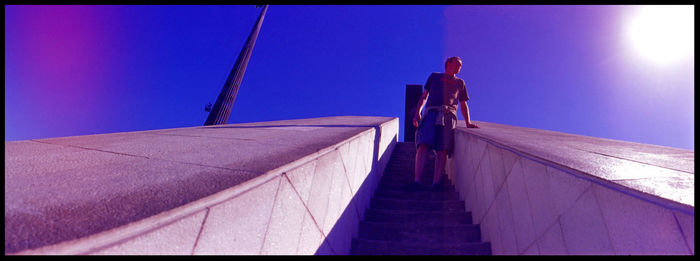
(465, 113)
(421, 101)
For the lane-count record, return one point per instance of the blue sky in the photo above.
(78, 70)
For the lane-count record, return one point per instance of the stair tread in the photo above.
(366, 246)
(416, 233)
(403, 216)
(417, 212)
(399, 221)
(426, 179)
(447, 205)
(413, 195)
(402, 187)
(418, 201)
(418, 225)
(427, 246)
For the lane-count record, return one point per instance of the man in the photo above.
(443, 92)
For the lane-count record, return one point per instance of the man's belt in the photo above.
(442, 109)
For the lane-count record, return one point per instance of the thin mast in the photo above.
(222, 108)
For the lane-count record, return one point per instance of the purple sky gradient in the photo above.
(569, 69)
(78, 70)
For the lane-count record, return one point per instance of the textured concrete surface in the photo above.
(663, 172)
(538, 192)
(65, 188)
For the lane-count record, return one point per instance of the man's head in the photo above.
(453, 65)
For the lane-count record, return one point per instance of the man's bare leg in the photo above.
(440, 160)
(421, 155)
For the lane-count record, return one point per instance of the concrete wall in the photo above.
(537, 192)
(310, 205)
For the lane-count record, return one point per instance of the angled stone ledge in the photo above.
(106, 193)
(546, 192)
(643, 169)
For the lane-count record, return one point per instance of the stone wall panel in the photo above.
(549, 201)
(238, 226)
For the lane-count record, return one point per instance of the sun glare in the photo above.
(662, 33)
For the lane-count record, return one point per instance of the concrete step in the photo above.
(399, 186)
(417, 205)
(406, 158)
(408, 166)
(405, 168)
(405, 149)
(421, 233)
(427, 217)
(408, 171)
(402, 154)
(423, 222)
(403, 160)
(416, 195)
(376, 247)
(426, 178)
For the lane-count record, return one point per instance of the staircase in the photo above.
(423, 222)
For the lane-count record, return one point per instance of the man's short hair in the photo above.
(452, 59)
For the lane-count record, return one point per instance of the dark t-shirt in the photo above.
(444, 89)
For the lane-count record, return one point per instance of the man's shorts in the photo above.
(437, 136)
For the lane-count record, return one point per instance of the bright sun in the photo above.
(662, 33)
